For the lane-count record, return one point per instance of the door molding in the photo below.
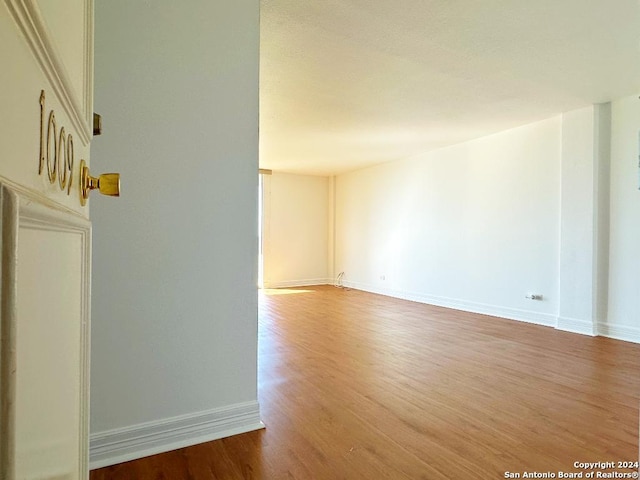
(8, 322)
(23, 211)
(78, 106)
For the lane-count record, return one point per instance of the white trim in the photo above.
(619, 332)
(576, 325)
(9, 219)
(545, 319)
(27, 211)
(584, 327)
(159, 436)
(78, 106)
(298, 283)
(43, 202)
(88, 64)
(36, 214)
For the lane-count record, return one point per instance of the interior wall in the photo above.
(584, 212)
(577, 221)
(174, 334)
(473, 226)
(624, 235)
(296, 236)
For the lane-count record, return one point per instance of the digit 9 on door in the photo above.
(59, 161)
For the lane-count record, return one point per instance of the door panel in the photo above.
(45, 339)
(46, 109)
(67, 23)
(51, 376)
(39, 65)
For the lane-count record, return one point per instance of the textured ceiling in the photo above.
(346, 84)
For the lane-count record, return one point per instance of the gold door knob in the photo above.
(107, 183)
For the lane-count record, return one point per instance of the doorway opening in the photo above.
(260, 230)
(263, 188)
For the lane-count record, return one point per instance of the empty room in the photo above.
(353, 240)
(449, 212)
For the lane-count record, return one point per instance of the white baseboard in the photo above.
(577, 325)
(129, 443)
(584, 327)
(545, 319)
(619, 332)
(298, 283)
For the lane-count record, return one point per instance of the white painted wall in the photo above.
(602, 214)
(624, 257)
(296, 230)
(584, 213)
(577, 223)
(473, 226)
(175, 257)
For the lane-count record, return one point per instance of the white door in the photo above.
(46, 112)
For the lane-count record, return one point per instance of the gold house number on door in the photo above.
(59, 161)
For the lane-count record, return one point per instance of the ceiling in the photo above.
(346, 84)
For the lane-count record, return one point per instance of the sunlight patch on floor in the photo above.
(283, 291)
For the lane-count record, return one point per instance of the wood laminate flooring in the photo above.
(354, 385)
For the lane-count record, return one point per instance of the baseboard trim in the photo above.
(619, 332)
(298, 283)
(545, 319)
(576, 325)
(130, 443)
